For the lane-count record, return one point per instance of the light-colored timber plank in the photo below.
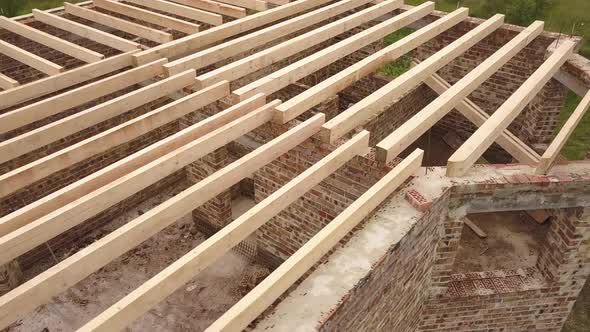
(85, 31)
(236, 46)
(180, 10)
(48, 226)
(79, 96)
(192, 43)
(187, 267)
(550, 155)
(7, 83)
(251, 4)
(119, 24)
(311, 97)
(30, 59)
(264, 58)
(214, 7)
(40, 289)
(264, 294)
(148, 16)
(380, 100)
(125, 132)
(72, 124)
(124, 166)
(412, 129)
(50, 41)
(296, 71)
(64, 80)
(460, 162)
(508, 141)
(478, 231)
(278, 2)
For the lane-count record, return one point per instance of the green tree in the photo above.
(11, 7)
(521, 12)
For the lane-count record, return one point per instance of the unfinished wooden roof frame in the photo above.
(163, 71)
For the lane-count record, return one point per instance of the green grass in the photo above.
(578, 145)
(402, 64)
(26, 6)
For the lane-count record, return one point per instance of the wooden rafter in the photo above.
(487, 133)
(39, 137)
(298, 70)
(85, 31)
(180, 10)
(259, 60)
(119, 24)
(264, 294)
(7, 83)
(377, 102)
(48, 40)
(251, 4)
(336, 83)
(65, 80)
(242, 44)
(148, 16)
(214, 7)
(420, 123)
(30, 59)
(125, 132)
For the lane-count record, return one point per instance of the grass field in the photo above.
(28, 5)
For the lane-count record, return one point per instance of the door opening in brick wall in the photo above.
(506, 241)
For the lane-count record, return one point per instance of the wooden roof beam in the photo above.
(550, 155)
(192, 43)
(264, 294)
(79, 96)
(50, 41)
(180, 10)
(214, 7)
(460, 162)
(377, 102)
(336, 83)
(72, 124)
(508, 141)
(306, 66)
(188, 266)
(82, 187)
(125, 132)
(64, 80)
(60, 277)
(245, 43)
(85, 31)
(7, 83)
(420, 123)
(118, 24)
(148, 16)
(290, 47)
(30, 59)
(251, 4)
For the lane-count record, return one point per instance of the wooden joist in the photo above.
(180, 10)
(85, 31)
(184, 269)
(58, 278)
(214, 7)
(298, 70)
(264, 294)
(50, 41)
(119, 24)
(7, 83)
(251, 4)
(236, 46)
(30, 59)
(124, 166)
(264, 58)
(552, 152)
(79, 96)
(64, 80)
(148, 16)
(50, 225)
(72, 124)
(478, 231)
(508, 141)
(125, 132)
(380, 100)
(420, 123)
(192, 43)
(336, 83)
(460, 162)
